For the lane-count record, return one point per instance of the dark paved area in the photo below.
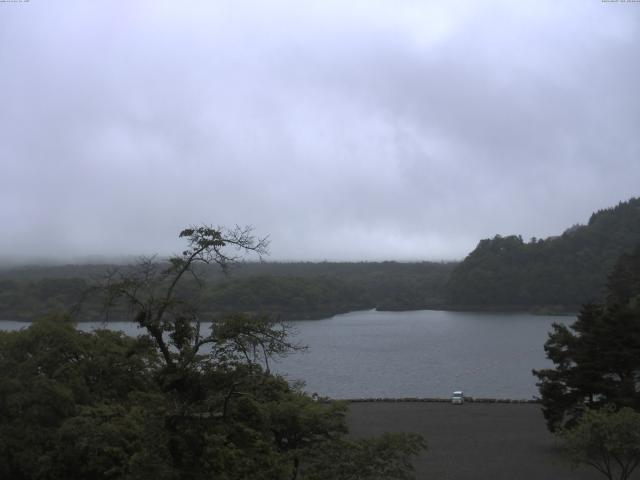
(474, 441)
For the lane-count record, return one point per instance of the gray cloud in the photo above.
(382, 130)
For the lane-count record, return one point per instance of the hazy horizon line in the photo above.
(86, 260)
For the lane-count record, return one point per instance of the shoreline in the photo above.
(325, 315)
(438, 400)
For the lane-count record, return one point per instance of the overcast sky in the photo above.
(345, 130)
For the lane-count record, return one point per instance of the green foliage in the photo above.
(177, 402)
(288, 290)
(597, 359)
(559, 272)
(387, 457)
(96, 405)
(52, 376)
(28, 299)
(607, 440)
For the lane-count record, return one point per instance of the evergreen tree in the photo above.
(597, 359)
(560, 272)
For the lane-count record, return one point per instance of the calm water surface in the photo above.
(411, 354)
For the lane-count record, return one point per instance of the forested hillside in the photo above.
(551, 274)
(547, 275)
(291, 290)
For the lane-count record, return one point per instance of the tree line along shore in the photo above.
(555, 275)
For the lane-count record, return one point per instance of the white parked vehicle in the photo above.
(457, 397)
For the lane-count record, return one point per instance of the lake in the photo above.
(421, 353)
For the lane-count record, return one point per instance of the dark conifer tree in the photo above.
(597, 359)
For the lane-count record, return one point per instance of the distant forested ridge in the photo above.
(548, 275)
(503, 273)
(291, 290)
